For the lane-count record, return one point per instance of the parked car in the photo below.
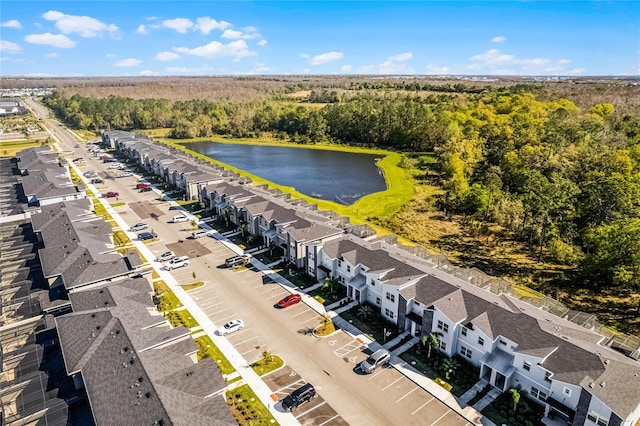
(144, 236)
(230, 262)
(198, 234)
(79, 160)
(177, 262)
(289, 300)
(138, 227)
(89, 173)
(109, 160)
(230, 327)
(142, 185)
(178, 219)
(125, 174)
(300, 396)
(114, 166)
(96, 180)
(167, 255)
(379, 357)
(110, 194)
(146, 189)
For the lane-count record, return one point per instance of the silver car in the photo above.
(138, 227)
(379, 357)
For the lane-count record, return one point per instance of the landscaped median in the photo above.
(247, 407)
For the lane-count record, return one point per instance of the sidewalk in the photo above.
(249, 376)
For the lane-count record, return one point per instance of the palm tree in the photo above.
(268, 357)
(515, 397)
(449, 367)
(431, 340)
(364, 311)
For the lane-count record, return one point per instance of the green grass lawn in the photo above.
(247, 408)
(265, 366)
(374, 325)
(167, 299)
(207, 349)
(181, 317)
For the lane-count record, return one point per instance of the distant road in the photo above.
(39, 110)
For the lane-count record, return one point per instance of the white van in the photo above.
(178, 219)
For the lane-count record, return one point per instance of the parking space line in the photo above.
(246, 352)
(310, 409)
(300, 313)
(289, 385)
(395, 381)
(245, 341)
(440, 418)
(237, 333)
(327, 421)
(373, 376)
(420, 407)
(224, 320)
(406, 394)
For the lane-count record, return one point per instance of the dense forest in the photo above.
(562, 180)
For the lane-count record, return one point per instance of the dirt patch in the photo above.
(187, 247)
(145, 210)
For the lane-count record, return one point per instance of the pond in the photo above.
(342, 177)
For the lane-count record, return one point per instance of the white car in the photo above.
(177, 262)
(114, 166)
(125, 174)
(230, 327)
(178, 219)
(167, 255)
(139, 227)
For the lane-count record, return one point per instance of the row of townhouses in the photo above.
(80, 339)
(571, 370)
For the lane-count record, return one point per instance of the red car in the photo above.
(291, 299)
(142, 185)
(110, 194)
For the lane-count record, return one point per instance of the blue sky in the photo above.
(116, 38)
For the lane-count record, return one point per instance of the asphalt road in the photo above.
(384, 398)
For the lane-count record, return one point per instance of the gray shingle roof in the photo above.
(128, 379)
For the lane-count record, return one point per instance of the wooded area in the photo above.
(560, 179)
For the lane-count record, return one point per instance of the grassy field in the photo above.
(11, 148)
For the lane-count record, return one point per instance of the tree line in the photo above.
(565, 180)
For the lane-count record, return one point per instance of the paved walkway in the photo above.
(240, 364)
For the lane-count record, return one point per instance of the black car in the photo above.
(298, 397)
(143, 236)
(146, 189)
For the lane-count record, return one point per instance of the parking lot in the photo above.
(316, 412)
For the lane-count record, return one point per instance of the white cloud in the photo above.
(346, 68)
(495, 62)
(236, 49)
(7, 46)
(141, 29)
(109, 55)
(129, 62)
(393, 65)
(11, 24)
(51, 55)
(577, 71)
(39, 74)
(262, 43)
(85, 26)
(493, 57)
(498, 39)
(249, 33)
(205, 25)
(148, 73)
(55, 40)
(166, 56)
(181, 25)
(436, 69)
(305, 55)
(325, 58)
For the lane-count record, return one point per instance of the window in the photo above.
(597, 418)
(547, 376)
(440, 324)
(445, 328)
(389, 313)
(527, 366)
(502, 342)
(341, 279)
(463, 331)
(391, 297)
(443, 345)
(466, 352)
(566, 391)
(348, 268)
(339, 263)
(378, 301)
(373, 283)
(480, 341)
(536, 393)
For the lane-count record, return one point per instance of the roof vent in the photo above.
(603, 384)
(591, 385)
(606, 362)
